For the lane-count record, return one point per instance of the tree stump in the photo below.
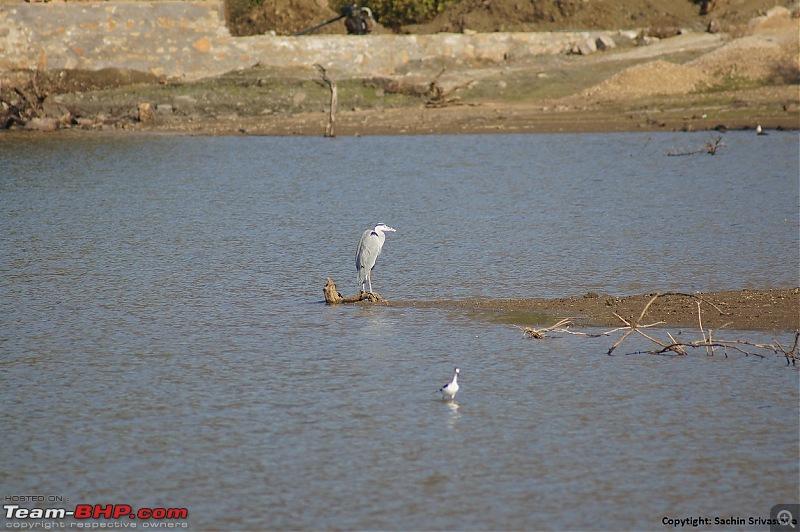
(333, 297)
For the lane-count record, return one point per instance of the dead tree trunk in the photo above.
(329, 132)
(333, 297)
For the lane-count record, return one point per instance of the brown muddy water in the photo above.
(163, 344)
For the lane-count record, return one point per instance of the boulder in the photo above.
(585, 47)
(146, 113)
(54, 110)
(604, 42)
(184, 104)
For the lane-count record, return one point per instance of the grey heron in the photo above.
(449, 390)
(369, 247)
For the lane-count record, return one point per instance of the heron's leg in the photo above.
(369, 280)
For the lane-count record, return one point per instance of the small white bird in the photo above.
(449, 390)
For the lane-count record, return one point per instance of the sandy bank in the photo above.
(757, 310)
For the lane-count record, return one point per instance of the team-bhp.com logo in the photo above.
(94, 511)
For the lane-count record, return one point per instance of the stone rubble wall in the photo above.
(189, 40)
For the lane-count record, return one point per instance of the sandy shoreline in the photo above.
(476, 119)
(486, 118)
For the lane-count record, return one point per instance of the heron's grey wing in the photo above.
(366, 254)
(360, 251)
(368, 250)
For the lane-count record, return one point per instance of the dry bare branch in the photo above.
(633, 326)
(711, 148)
(708, 342)
(438, 96)
(564, 325)
(674, 347)
(24, 100)
(561, 327)
(793, 354)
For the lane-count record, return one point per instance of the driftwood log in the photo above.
(333, 297)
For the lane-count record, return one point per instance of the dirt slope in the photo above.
(661, 17)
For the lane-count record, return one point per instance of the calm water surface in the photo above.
(162, 343)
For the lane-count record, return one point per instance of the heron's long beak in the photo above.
(387, 228)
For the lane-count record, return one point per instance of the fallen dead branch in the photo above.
(563, 326)
(792, 354)
(711, 148)
(438, 96)
(333, 297)
(634, 325)
(26, 102)
(560, 327)
(432, 93)
(675, 347)
(741, 346)
(22, 101)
